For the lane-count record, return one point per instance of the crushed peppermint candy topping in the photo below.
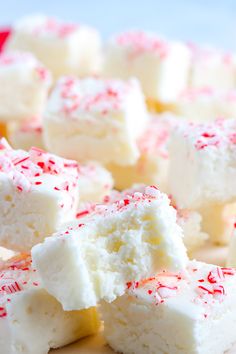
(155, 138)
(159, 288)
(192, 94)
(34, 125)
(43, 74)
(27, 169)
(209, 54)
(149, 194)
(213, 284)
(118, 201)
(202, 284)
(54, 27)
(90, 94)
(140, 42)
(16, 275)
(205, 93)
(11, 58)
(217, 134)
(25, 60)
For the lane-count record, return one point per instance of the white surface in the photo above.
(206, 154)
(95, 119)
(35, 201)
(201, 105)
(203, 20)
(62, 48)
(152, 60)
(32, 321)
(127, 240)
(97, 345)
(25, 82)
(205, 314)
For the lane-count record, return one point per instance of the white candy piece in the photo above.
(38, 192)
(95, 258)
(152, 165)
(31, 320)
(231, 259)
(95, 182)
(202, 173)
(64, 48)
(24, 86)
(190, 221)
(161, 66)
(205, 104)
(177, 313)
(26, 134)
(212, 68)
(95, 119)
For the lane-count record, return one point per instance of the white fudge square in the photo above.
(95, 119)
(94, 181)
(24, 86)
(38, 192)
(206, 155)
(202, 172)
(117, 243)
(190, 221)
(26, 134)
(162, 66)
(31, 320)
(152, 166)
(177, 313)
(212, 67)
(218, 220)
(64, 48)
(205, 104)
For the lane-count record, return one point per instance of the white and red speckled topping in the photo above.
(16, 275)
(73, 95)
(208, 54)
(40, 25)
(28, 170)
(33, 125)
(54, 27)
(219, 134)
(118, 202)
(193, 94)
(9, 60)
(140, 42)
(155, 138)
(202, 285)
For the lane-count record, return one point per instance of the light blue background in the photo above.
(209, 21)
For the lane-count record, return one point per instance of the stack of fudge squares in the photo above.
(117, 163)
